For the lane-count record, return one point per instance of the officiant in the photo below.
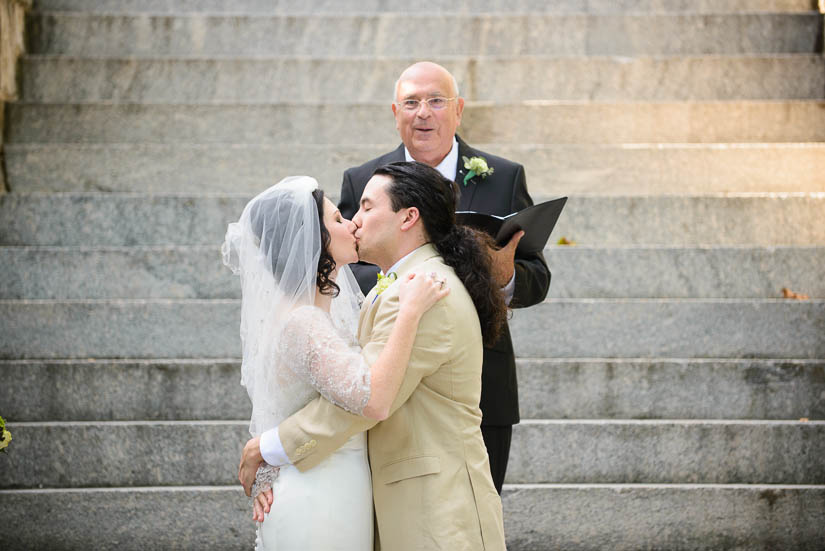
(428, 110)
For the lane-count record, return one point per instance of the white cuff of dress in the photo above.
(509, 289)
(272, 450)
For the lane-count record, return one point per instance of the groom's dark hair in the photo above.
(421, 186)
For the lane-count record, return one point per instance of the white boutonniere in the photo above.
(384, 281)
(477, 166)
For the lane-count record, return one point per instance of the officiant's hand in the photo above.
(503, 260)
(251, 459)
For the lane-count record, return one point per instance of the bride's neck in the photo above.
(323, 301)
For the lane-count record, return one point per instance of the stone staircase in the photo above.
(662, 383)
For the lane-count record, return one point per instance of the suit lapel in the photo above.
(468, 191)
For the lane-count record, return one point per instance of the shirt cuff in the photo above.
(509, 289)
(272, 450)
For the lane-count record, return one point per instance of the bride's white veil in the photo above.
(275, 248)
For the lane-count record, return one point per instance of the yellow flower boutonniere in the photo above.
(5, 436)
(384, 281)
(477, 166)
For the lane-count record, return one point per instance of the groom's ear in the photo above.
(410, 218)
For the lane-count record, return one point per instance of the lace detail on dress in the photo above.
(314, 350)
(264, 479)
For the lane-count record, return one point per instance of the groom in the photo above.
(430, 473)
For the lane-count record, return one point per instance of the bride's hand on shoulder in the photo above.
(419, 292)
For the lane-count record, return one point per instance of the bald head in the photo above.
(428, 68)
(427, 132)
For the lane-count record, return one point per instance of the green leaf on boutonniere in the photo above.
(477, 166)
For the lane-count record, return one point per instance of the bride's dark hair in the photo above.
(264, 218)
(326, 264)
(418, 185)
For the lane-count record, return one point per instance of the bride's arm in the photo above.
(312, 349)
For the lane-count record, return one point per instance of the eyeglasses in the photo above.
(435, 104)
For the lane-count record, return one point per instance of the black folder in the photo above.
(537, 221)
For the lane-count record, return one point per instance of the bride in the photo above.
(299, 316)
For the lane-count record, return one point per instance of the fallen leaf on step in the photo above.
(803, 419)
(565, 241)
(787, 293)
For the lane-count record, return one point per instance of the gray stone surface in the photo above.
(673, 517)
(117, 220)
(421, 35)
(537, 517)
(127, 272)
(123, 390)
(684, 272)
(576, 328)
(120, 329)
(770, 220)
(724, 328)
(616, 388)
(578, 272)
(184, 168)
(473, 6)
(106, 219)
(512, 123)
(117, 454)
(637, 169)
(128, 518)
(724, 452)
(56, 79)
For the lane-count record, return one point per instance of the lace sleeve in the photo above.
(313, 349)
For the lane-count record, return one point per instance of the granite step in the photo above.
(578, 272)
(59, 79)
(116, 220)
(271, 7)
(670, 388)
(621, 169)
(574, 328)
(667, 516)
(197, 453)
(536, 517)
(549, 388)
(667, 451)
(422, 35)
(512, 123)
(123, 390)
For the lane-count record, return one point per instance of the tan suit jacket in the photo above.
(430, 473)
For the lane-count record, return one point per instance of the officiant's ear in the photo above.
(410, 218)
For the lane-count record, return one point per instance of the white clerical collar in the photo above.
(398, 264)
(448, 166)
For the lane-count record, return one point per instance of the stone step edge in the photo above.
(526, 486)
(530, 360)
(631, 146)
(216, 246)
(590, 196)
(467, 104)
(167, 301)
(400, 58)
(533, 422)
(379, 14)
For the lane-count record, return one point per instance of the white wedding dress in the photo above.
(328, 507)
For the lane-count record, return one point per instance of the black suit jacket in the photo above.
(501, 193)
